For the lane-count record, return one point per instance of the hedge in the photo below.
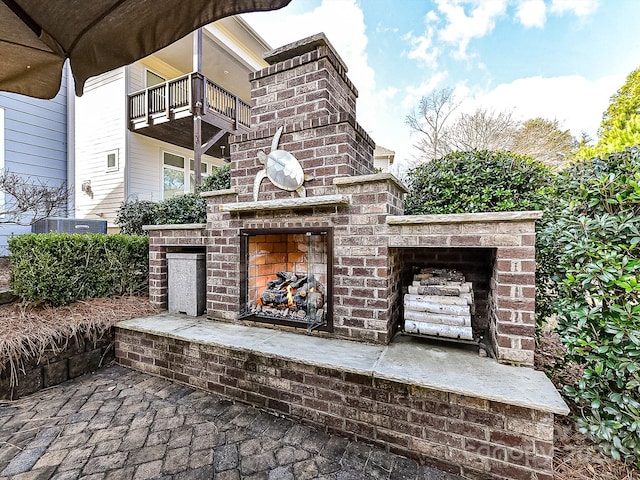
(61, 268)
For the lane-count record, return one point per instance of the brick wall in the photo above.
(306, 91)
(306, 80)
(477, 438)
(365, 274)
(477, 266)
(169, 238)
(328, 147)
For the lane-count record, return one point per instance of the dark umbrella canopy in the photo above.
(36, 36)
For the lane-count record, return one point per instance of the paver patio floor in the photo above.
(122, 424)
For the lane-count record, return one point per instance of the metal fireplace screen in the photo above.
(286, 277)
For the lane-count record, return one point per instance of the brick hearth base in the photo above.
(443, 406)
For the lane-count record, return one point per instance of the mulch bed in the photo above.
(29, 331)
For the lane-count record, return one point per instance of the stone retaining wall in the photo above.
(71, 358)
(476, 438)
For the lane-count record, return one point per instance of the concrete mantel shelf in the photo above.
(375, 177)
(482, 217)
(286, 204)
(406, 359)
(219, 193)
(176, 226)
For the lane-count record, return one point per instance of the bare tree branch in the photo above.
(482, 130)
(441, 133)
(27, 200)
(431, 119)
(546, 141)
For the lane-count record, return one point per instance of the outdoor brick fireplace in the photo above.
(330, 259)
(355, 215)
(348, 232)
(286, 277)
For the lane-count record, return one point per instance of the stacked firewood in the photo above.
(439, 303)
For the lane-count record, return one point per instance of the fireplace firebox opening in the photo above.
(286, 277)
(477, 269)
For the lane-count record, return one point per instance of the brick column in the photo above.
(162, 238)
(366, 274)
(306, 91)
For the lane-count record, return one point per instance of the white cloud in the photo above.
(580, 8)
(532, 13)
(574, 101)
(413, 94)
(462, 28)
(422, 46)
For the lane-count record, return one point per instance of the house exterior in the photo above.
(383, 159)
(135, 126)
(34, 143)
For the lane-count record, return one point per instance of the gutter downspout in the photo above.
(71, 142)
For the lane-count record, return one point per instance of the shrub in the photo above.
(218, 179)
(131, 216)
(61, 268)
(188, 208)
(477, 181)
(599, 307)
(482, 181)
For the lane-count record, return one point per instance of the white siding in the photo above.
(101, 129)
(135, 73)
(145, 165)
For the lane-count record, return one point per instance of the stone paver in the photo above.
(122, 424)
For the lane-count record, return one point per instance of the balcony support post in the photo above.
(199, 106)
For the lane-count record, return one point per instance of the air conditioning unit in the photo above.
(69, 225)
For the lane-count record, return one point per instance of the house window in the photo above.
(112, 161)
(154, 79)
(176, 181)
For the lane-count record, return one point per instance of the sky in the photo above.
(556, 59)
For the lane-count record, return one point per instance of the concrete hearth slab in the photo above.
(416, 362)
(323, 352)
(409, 360)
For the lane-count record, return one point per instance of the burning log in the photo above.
(293, 295)
(274, 297)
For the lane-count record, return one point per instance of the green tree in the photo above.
(477, 181)
(623, 106)
(620, 125)
(218, 179)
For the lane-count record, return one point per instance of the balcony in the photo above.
(165, 111)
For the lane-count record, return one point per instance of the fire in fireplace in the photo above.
(286, 277)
